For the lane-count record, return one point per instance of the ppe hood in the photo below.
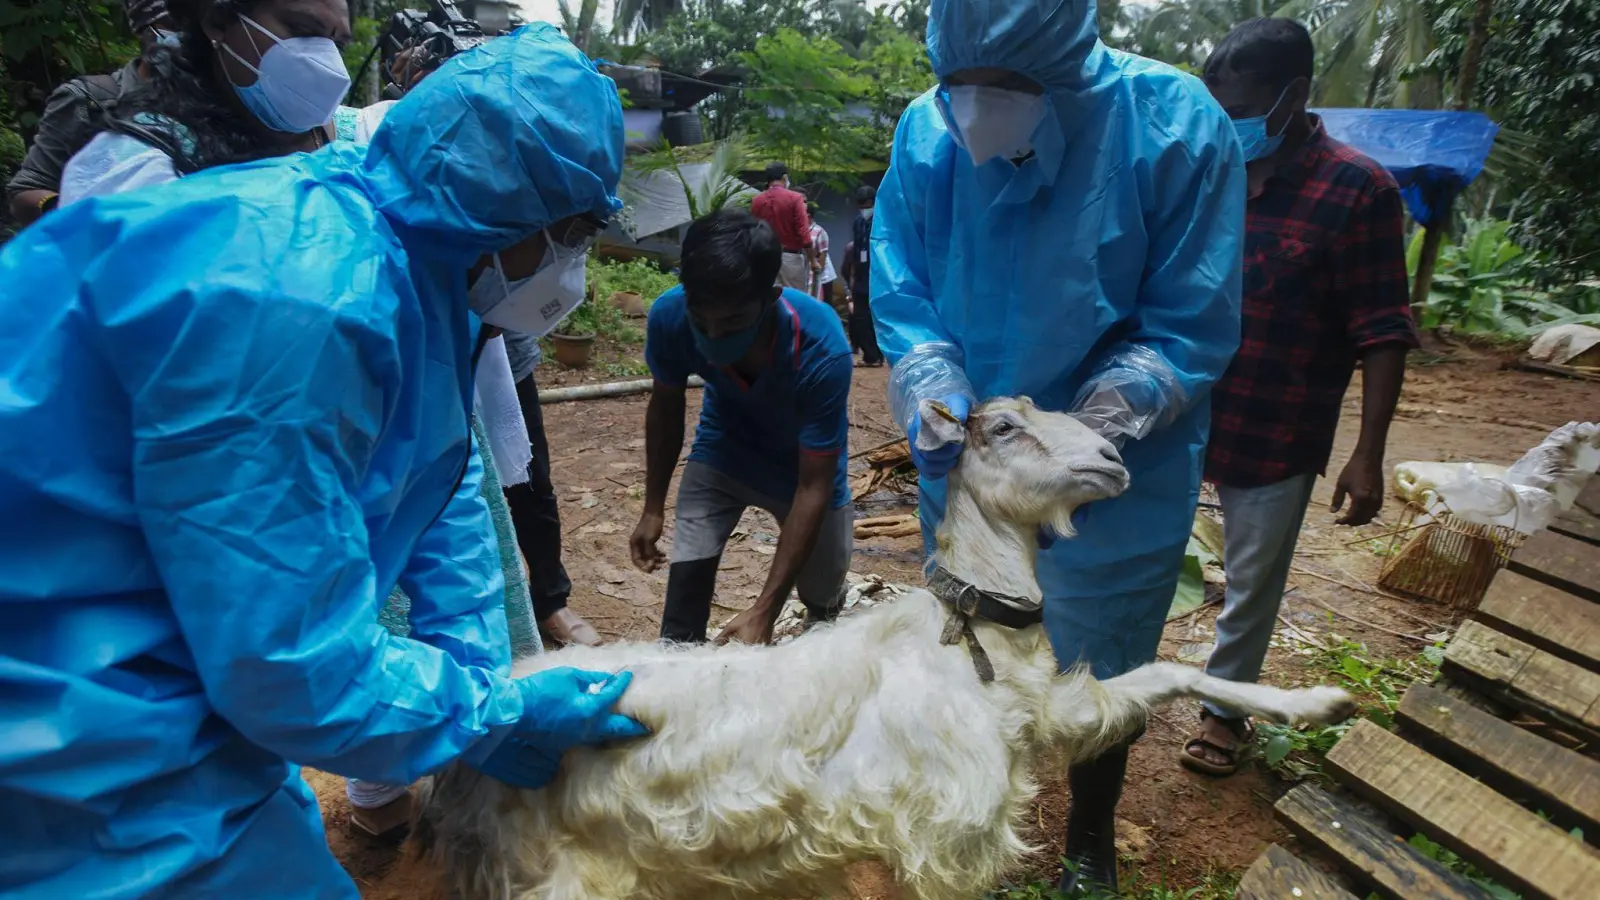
(1046, 40)
(502, 141)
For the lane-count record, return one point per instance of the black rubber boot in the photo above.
(1091, 851)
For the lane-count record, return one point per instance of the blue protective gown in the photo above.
(233, 414)
(1126, 227)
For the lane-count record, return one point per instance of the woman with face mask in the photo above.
(247, 79)
(263, 429)
(1065, 221)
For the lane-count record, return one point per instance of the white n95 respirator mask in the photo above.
(991, 122)
(534, 305)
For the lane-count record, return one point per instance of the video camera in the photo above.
(435, 35)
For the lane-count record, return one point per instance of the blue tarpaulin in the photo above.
(1433, 154)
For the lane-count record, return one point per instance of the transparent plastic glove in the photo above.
(931, 371)
(940, 456)
(1131, 393)
(566, 707)
(520, 764)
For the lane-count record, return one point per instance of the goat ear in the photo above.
(939, 426)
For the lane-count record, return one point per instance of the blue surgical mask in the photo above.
(731, 347)
(299, 81)
(165, 38)
(1253, 132)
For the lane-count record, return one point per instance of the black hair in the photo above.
(184, 89)
(730, 256)
(866, 195)
(1272, 52)
(776, 172)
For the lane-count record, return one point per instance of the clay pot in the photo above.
(631, 304)
(573, 350)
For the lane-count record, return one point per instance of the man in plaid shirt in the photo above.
(1324, 286)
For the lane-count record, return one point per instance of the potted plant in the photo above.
(572, 350)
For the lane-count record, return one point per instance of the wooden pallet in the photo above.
(1583, 520)
(1500, 795)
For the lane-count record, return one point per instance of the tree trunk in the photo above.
(1467, 82)
(1422, 284)
(1472, 56)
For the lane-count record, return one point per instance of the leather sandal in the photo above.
(567, 627)
(1235, 753)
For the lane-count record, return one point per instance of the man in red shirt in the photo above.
(1324, 286)
(785, 211)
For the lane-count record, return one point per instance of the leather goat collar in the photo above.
(974, 602)
(966, 603)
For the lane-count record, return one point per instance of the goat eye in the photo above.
(1003, 429)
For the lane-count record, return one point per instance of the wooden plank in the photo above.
(1555, 621)
(1375, 856)
(1562, 562)
(1582, 521)
(1280, 875)
(1564, 784)
(1516, 847)
(1526, 677)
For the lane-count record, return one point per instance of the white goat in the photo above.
(773, 768)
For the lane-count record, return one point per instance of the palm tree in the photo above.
(1364, 45)
(633, 17)
(720, 187)
(579, 28)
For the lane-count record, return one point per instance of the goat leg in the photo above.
(1161, 682)
(1120, 705)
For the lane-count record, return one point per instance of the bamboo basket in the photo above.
(1446, 559)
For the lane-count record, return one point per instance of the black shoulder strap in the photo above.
(101, 89)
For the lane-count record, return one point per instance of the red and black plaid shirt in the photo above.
(1324, 281)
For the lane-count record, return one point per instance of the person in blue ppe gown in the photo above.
(235, 415)
(1065, 221)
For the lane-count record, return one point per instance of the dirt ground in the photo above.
(1180, 826)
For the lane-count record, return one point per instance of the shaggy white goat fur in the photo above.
(772, 768)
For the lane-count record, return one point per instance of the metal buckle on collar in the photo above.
(966, 601)
(970, 600)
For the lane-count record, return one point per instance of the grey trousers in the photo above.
(710, 504)
(1260, 527)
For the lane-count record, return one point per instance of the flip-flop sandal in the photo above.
(1237, 753)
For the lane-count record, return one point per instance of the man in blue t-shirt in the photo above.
(772, 430)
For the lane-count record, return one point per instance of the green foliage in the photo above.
(1296, 753)
(1456, 864)
(810, 60)
(720, 186)
(803, 90)
(598, 317)
(1540, 78)
(1484, 283)
(46, 42)
(635, 276)
(1213, 886)
(627, 368)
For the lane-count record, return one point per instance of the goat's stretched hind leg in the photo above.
(1160, 682)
